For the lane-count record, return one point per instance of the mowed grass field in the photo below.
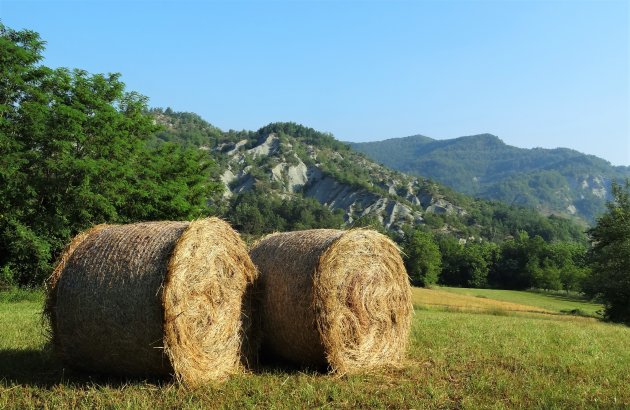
(466, 351)
(552, 302)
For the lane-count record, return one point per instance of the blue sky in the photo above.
(535, 73)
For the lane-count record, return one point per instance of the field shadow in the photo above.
(564, 297)
(41, 368)
(568, 298)
(268, 362)
(29, 366)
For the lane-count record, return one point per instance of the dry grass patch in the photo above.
(440, 299)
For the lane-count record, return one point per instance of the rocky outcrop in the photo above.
(268, 147)
(397, 201)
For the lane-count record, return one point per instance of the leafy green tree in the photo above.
(73, 153)
(610, 256)
(480, 258)
(255, 213)
(466, 265)
(421, 256)
(570, 259)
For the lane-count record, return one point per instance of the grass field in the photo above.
(496, 354)
(552, 302)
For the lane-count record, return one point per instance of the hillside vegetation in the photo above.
(460, 357)
(554, 181)
(290, 162)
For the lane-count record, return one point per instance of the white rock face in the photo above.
(277, 171)
(298, 176)
(227, 177)
(236, 147)
(599, 192)
(268, 147)
(572, 209)
(440, 206)
(359, 202)
(291, 177)
(333, 194)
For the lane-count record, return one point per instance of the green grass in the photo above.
(456, 360)
(19, 295)
(556, 302)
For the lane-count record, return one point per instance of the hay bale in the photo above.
(152, 299)
(333, 298)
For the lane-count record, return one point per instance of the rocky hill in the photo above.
(275, 160)
(553, 181)
(287, 161)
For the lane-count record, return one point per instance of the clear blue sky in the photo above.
(535, 73)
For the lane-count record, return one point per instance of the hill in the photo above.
(266, 172)
(557, 181)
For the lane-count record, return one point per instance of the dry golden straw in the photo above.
(333, 298)
(153, 299)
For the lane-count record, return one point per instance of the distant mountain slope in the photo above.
(290, 161)
(553, 181)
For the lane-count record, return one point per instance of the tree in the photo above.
(570, 258)
(610, 256)
(421, 256)
(253, 212)
(466, 265)
(515, 265)
(74, 153)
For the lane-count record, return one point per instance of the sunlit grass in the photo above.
(456, 359)
(559, 303)
(440, 298)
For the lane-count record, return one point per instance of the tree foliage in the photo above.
(466, 264)
(610, 256)
(422, 256)
(520, 263)
(73, 153)
(255, 213)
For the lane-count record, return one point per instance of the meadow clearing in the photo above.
(470, 348)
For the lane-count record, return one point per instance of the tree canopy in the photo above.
(610, 256)
(422, 257)
(73, 153)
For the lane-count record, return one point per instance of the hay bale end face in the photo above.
(333, 298)
(152, 299)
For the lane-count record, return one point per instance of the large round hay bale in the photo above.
(153, 299)
(333, 298)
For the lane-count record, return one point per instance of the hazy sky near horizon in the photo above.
(536, 73)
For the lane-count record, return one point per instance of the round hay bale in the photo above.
(333, 298)
(153, 299)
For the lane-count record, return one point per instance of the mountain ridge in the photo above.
(483, 165)
(288, 161)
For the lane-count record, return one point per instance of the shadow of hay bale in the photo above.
(41, 368)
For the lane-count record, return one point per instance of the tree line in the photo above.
(600, 271)
(518, 263)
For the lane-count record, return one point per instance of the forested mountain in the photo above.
(553, 181)
(267, 171)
